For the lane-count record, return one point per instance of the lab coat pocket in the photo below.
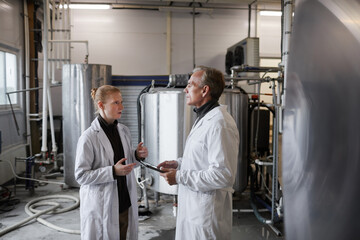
(201, 207)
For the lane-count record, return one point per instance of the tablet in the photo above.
(148, 165)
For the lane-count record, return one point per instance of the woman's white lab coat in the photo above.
(99, 206)
(206, 177)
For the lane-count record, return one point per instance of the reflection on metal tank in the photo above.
(321, 141)
(167, 121)
(237, 106)
(78, 108)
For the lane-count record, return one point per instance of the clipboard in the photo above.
(149, 165)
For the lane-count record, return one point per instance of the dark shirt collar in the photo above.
(204, 109)
(103, 122)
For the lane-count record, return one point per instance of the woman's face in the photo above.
(112, 107)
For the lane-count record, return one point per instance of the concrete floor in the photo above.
(160, 224)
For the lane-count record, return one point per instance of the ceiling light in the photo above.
(88, 6)
(271, 13)
(186, 9)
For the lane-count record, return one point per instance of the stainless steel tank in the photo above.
(167, 121)
(78, 108)
(237, 106)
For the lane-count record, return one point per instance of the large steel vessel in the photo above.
(78, 108)
(167, 121)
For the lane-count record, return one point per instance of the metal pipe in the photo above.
(193, 13)
(288, 6)
(45, 77)
(275, 155)
(69, 33)
(52, 55)
(31, 89)
(13, 113)
(168, 42)
(76, 41)
(246, 68)
(27, 75)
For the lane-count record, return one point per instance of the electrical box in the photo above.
(245, 52)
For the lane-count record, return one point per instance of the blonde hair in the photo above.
(100, 94)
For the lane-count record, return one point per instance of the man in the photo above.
(207, 170)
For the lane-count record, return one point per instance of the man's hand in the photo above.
(168, 164)
(169, 175)
(123, 170)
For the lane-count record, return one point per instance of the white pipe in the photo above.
(69, 32)
(45, 77)
(54, 147)
(62, 34)
(53, 33)
(27, 75)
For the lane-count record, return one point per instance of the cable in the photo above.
(32, 179)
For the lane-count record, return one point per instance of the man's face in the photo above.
(194, 93)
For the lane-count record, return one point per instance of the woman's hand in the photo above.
(123, 170)
(141, 151)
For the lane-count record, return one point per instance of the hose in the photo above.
(33, 213)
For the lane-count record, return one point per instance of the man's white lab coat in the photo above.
(206, 177)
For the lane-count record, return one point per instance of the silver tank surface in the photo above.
(167, 121)
(78, 108)
(321, 136)
(237, 106)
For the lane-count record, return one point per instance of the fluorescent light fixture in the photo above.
(185, 9)
(88, 6)
(271, 13)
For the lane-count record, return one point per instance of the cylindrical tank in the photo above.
(167, 121)
(237, 106)
(78, 108)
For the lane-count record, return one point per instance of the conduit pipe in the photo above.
(286, 34)
(45, 78)
(76, 41)
(168, 42)
(27, 75)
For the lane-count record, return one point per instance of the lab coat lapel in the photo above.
(104, 141)
(202, 121)
(123, 139)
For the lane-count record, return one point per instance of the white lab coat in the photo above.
(99, 206)
(206, 175)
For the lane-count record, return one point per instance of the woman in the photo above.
(103, 167)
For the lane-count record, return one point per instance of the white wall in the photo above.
(134, 41)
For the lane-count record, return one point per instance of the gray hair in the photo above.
(213, 78)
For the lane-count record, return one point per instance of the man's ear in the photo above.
(205, 90)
